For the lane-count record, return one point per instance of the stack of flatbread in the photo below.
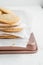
(10, 25)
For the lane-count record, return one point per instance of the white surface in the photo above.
(20, 2)
(29, 59)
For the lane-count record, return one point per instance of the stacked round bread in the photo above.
(9, 23)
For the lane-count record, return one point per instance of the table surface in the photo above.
(29, 59)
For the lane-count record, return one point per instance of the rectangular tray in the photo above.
(30, 48)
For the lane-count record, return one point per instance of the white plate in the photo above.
(19, 42)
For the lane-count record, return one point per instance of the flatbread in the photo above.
(6, 11)
(8, 36)
(9, 19)
(11, 29)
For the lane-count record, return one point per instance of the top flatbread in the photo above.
(6, 11)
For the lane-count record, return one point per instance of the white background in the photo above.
(20, 2)
(37, 27)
